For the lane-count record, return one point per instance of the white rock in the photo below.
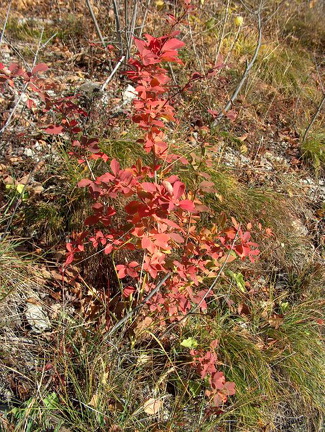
(28, 152)
(129, 94)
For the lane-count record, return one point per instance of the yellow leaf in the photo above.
(160, 3)
(243, 149)
(20, 188)
(239, 21)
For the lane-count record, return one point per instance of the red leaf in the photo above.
(128, 291)
(98, 206)
(54, 130)
(214, 113)
(148, 187)
(115, 167)
(179, 189)
(132, 207)
(84, 183)
(230, 388)
(207, 186)
(231, 115)
(178, 238)
(187, 205)
(218, 380)
(139, 44)
(41, 67)
(91, 220)
(146, 243)
(30, 103)
(108, 249)
(121, 271)
(172, 44)
(161, 240)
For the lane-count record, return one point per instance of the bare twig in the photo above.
(222, 32)
(118, 25)
(48, 41)
(16, 51)
(38, 47)
(126, 22)
(14, 109)
(5, 23)
(319, 108)
(144, 18)
(245, 74)
(131, 29)
(96, 23)
(112, 73)
(140, 306)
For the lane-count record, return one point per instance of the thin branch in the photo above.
(38, 47)
(118, 25)
(144, 18)
(131, 29)
(113, 73)
(222, 32)
(319, 108)
(96, 23)
(245, 74)
(5, 23)
(16, 51)
(140, 306)
(14, 109)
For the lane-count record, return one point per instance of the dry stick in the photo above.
(140, 306)
(118, 25)
(144, 18)
(96, 23)
(314, 118)
(249, 9)
(126, 24)
(113, 73)
(5, 23)
(276, 10)
(13, 110)
(222, 33)
(194, 48)
(131, 30)
(232, 45)
(16, 51)
(245, 74)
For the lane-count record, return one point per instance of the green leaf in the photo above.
(239, 279)
(189, 343)
(51, 401)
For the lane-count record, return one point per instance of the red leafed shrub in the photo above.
(146, 210)
(205, 364)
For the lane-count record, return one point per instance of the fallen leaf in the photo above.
(276, 320)
(94, 400)
(152, 406)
